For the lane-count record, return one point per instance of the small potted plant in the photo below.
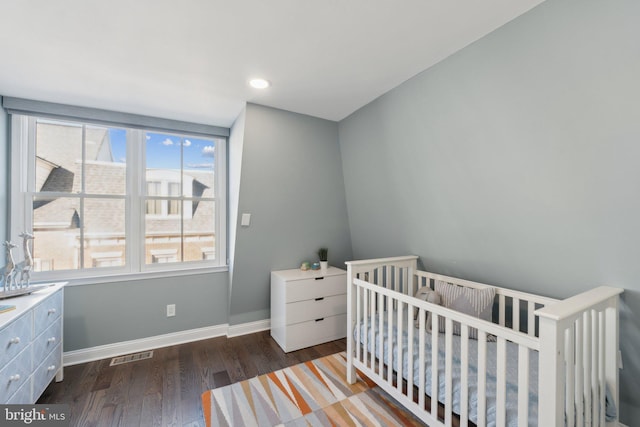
(323, 253)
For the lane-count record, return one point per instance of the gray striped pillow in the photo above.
(471, 301)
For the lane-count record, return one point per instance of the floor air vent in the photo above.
(131, 358)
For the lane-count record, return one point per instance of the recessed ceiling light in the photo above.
(259, 83)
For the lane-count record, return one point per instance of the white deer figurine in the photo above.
(10, 267)
(25, 274)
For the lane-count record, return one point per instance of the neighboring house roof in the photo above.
(60, 146)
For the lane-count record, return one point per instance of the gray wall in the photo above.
(113, 312)
(514, 162)
(291, 183)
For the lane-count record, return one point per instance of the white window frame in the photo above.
(21, 219)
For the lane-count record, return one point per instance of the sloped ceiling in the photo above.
(191, 60)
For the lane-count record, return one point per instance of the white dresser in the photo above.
(31, 344)
(308, 307)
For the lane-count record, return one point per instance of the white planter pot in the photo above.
(323, 266)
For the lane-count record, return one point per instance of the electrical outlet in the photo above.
(171, 310)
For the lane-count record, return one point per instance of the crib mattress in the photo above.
(511, 370)
(491, 371)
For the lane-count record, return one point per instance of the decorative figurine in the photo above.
(305, 266)
(25, 274)
(10, 267)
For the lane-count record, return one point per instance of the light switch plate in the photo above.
(246, 220)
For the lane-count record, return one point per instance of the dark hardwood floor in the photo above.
(165, 390)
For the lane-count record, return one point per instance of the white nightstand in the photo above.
(308, 307)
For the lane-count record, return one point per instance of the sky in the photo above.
(163, 150)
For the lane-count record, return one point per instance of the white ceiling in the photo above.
(191, 59)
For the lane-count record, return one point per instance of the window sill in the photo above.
(130, 277)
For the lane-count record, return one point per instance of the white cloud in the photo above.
(187, 143)
(148, 137)
(208, 151)
(167, 142)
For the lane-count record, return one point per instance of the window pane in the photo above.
(199, 234)
(163, 239)
(59, 151)
(154, 207)
(56, 231)
(58, 156)
(105, 169)
(104, 233)
(163, 160)
(199, 161)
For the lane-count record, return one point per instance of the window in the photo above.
(108, 199)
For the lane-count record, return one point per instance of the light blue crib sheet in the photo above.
(491, 372)
(511, 371)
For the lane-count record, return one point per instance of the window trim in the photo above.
(135, 267)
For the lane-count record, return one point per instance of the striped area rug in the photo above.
(314, 393)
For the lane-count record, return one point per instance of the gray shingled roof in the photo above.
(62, 145)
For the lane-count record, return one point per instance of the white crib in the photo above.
(540, 362)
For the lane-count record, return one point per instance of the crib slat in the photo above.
(390, 302)
(434, 364)
(448, 371)
(372, 353)
(400, 356)
(515, 314)
(523, 386)
(464, 375)
(569, 352)
(396, 279)
(601, 368)
(365, 318)
(595, 357)
(358, 320)
(586, 391)
(502, 305)
(501, 382)
(405, 281)
(578, 401)
(380, 351)
(531, 320)
(482, 378)
(421, 357)
(410, 351)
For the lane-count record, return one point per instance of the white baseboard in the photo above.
(248, 328)
(84, 355)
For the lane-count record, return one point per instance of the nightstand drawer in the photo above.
(14, 338)
(299, 290)
(47, 312)
(310, 333)
(302, 311)
(15, 374)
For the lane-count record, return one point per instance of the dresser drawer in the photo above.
(15, 374)
(15, 337)
(46, 342)
(44, 373)
(23, 395)
(302, 311)
(299, 290)
(310, 333)
(47, 312)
